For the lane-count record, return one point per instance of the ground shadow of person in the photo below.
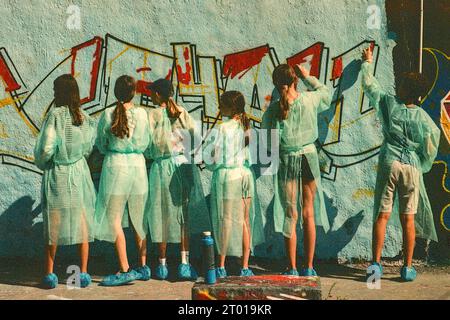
(21, 240)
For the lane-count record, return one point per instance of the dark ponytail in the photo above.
(283, 77)
(172, 108)
(67, 94)
(234, 101)
(124, 91)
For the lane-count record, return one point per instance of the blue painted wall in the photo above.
(38, 45)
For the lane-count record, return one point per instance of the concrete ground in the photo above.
(19, 279)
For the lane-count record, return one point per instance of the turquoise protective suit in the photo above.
(68, 193)
(233, 189)
(123, 184)
(297, 135)
(176, 198)
(411, 137)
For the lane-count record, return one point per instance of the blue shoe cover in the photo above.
(246, 273)
(85, 280)
(144, 273)
(162, 272)
(408, 273)
(50, 281)
(292, 272)
(221, 272)
(308, 272)
(187, 271)
(119, 279)
(374, 266)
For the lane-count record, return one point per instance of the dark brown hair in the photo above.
(171, 106)
(413, 86)
(67, 93)
(124, 91)
(234, 101)
(283, 77)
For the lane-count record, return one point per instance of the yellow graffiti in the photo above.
(363, 193)
(442, 217)
(110, 62)
(18, 155)
(445, 120)
(444, 176)
(334, 124)
(3, 133)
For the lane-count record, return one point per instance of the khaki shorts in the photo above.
(404, 179)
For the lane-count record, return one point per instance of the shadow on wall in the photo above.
(328, 245)
(20, 234)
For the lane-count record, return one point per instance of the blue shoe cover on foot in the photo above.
(85, 280)
(143, 273)
(308, 272)
(246, 273)
(374, 267)
(291, 272)
(119, 279)
(187, 271)
(408, 273)
(162, 272)
(50, 281)
(221, 272)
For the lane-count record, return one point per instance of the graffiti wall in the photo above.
(204, 48)
(403, 16)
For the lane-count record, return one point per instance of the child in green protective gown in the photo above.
(409, 148)
(235, 210)
(176, 193)
(68, 194)
(297, 182)
(123, 136)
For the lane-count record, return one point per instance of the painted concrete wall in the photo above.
(205, 47)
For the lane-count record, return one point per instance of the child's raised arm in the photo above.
(320, 96)
(370, 84)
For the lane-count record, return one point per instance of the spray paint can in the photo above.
(209, 269)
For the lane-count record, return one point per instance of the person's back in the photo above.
(68, 194)
(135, 143)
(409, 148)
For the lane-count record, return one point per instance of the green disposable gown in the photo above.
(176, 197)
(68, 193)
(233, 180)
(297, 135)
(123, 183)
(410, 137)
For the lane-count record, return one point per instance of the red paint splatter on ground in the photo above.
(243, 61)
(315, 54)
(98, 42)
(5, 73)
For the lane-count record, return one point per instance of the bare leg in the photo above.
(291, 208)
(84, 246)
(50, 253)
(84, 256)
(246, 235)
(162, 246)
(225, 231)
(309, 226)
(379, 232)
(185, 231)
(141, 245)
(409, 237)
(50, 249)
(121, 245)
